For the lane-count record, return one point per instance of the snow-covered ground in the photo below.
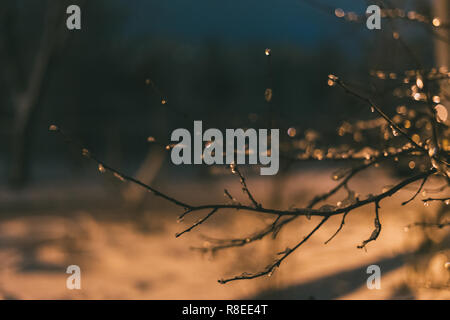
(126, 253)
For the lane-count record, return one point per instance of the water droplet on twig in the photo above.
(101, 168)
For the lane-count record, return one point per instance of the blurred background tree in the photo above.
(139, 70)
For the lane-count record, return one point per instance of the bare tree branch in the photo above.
(235, 170)
(376, 231)
(271, 268)
(418, 191)
(199, 222)
(439, 225)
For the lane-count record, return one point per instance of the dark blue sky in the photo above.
(270, 21)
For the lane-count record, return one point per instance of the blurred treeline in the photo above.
(98, 87)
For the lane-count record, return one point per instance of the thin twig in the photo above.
(446, 200)
(235, 170)
(339, 229)
(377, 109)
(269, 270)
(376, 231)
(418, 191)
(439, 225)
(197, 223)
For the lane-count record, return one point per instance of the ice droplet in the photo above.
(394, 132)
(85, 152)
(101, 168)
(118, 176)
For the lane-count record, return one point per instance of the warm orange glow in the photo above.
(292, 132)
(436, 22)
(339, 13)
(441, 113)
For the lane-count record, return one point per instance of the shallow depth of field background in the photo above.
(207, 61)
